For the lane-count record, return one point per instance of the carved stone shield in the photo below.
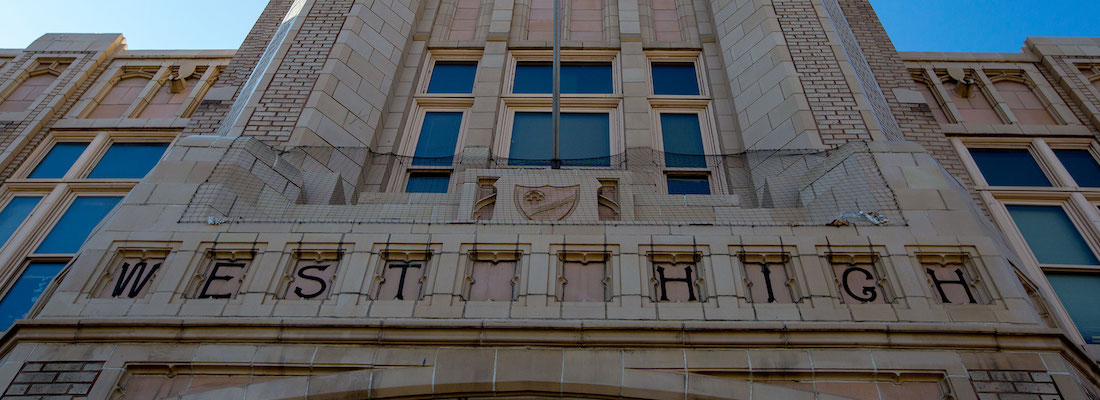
(546, 203)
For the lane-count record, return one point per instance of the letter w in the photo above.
(135, 276)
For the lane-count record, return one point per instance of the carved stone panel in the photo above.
(953, 278)
(132, 273)
(676, 277)
(312, 275)
(584, 276)
(402, 274)
(492, 276)
(767, 278)
(223, 275)
(858, 279)
(546, 203)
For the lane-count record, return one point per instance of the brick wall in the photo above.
(1014, 385)
(831, 99)
(278, 110)
(915, 120)
(209, 114)
(54, 380)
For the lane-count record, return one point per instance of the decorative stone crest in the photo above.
(546, 203)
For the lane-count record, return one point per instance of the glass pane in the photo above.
(532, 139)
(687, 184)
(77, 223)
(1009, 167)
(428, 182)
(58, 161)
(683, 140)
(128, 160)
(1081, 165)
(585, 139)
(1051, 235)
(13, 215)
(438, 137)
(537, 77)
(675, 78)
(1078, 295)
(26, 290)
(452, 77)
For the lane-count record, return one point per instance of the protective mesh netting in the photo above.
(253, 183)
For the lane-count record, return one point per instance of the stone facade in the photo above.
(832, 233)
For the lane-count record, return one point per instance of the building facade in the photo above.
(756, 199)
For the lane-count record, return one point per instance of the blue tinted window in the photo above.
(585, 139)
(128, 160)
(1081, 165)
(428, 182)
(19, 300)
(688, 184)
(537, 77)
(76, 224)
(58, 161)
(13, 215)
(1051, 235)
(1078, 294)
(1009, 167)
(438, 137)
(675, 78)
(452, 77)
(683, 140)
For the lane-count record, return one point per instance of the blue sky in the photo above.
(914, 25)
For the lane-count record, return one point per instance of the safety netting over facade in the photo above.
(254, 183)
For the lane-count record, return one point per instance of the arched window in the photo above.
(1023, 102)
(23, 97)
(120, 97)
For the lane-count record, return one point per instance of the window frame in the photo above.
(435, 56)
(672, 56)
(1081, 205)
(708, 131)
(612, 107)
(411, 137)
(567, 56)
(98, 144)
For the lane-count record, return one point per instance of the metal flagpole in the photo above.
(555, 163)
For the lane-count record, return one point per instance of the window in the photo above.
(26, 290)
(13, 215)
(1081, 165)
(1077, 293)
(1051, 235)
(438, 138)
(688, 183)
(453, 77)
(1009, 167)
(76, 224)
(585, 139)
(128, 160)
(675, 78)
(428, 182)
(683, 141)
(576, 78)
(58, 161)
